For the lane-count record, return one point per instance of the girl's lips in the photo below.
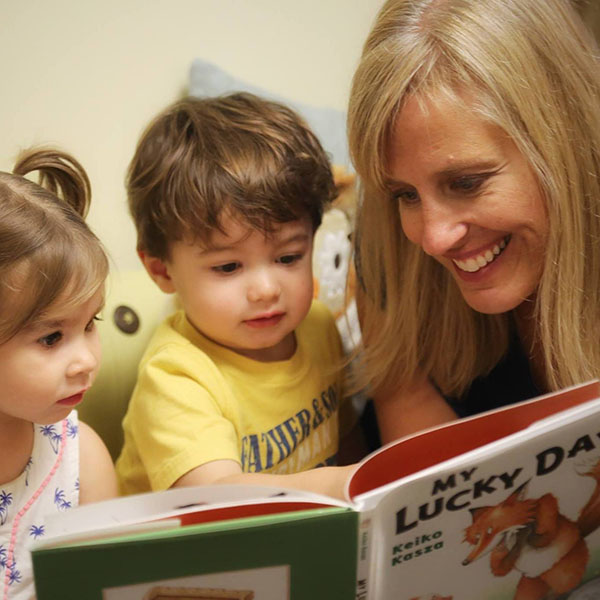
(269, 321)
(71, 400)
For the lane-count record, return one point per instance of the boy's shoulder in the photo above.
(319, 330)
(170, 330)
(174, 340)
(318, 314)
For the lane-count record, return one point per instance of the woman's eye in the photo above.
(406, 197)
(51, 339)
(467, 184)
(289, 259)
(227, 268)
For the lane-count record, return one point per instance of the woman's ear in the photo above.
(158, 271)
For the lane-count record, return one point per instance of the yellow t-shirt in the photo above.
(196, 402)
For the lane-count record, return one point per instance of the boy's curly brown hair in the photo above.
(251, 158)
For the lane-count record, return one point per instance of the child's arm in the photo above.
(420, 407)
(97, 479)
(322, 480)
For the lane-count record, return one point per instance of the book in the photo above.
(502, 505)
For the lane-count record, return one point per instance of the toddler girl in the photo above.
(52, 272)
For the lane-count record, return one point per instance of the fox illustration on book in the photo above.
(533, 537)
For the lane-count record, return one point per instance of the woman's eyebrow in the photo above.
(456, 168)
(461, 166)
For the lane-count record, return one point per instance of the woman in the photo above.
(475, 129)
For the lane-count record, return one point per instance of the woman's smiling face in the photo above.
(469, 198)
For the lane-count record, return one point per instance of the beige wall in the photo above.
(88, 74)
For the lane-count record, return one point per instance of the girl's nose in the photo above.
(85, 358)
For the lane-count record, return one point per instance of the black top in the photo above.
(508, 382)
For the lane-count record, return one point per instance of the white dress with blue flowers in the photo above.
(49, 484)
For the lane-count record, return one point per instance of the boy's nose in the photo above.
(263, 286)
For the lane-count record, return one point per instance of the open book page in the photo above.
(412, 454)
(521, 511)
(176, 507)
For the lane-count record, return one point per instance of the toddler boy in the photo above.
(243, 385)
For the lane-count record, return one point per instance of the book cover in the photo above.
(301, 554)
(503, 505)
(515, 519)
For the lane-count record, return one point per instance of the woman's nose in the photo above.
(436, 227)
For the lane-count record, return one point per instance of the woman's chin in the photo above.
(492, 303)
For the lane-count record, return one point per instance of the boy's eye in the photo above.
(289, 259)
(227, 268)
(51, 339)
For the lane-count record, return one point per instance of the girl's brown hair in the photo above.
(48, 255)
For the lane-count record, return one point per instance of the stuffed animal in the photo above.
(333, 268)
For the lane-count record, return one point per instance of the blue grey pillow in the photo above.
(207, 79)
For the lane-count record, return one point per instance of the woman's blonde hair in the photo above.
(48, 255)
(532, 68)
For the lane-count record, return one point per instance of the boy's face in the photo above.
(246, 292)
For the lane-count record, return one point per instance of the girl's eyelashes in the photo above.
(51, 339)
(90, 325)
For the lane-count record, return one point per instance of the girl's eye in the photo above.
(289, 259)
(51, 339)
(227, 268)
(90, 326)
(406, 197)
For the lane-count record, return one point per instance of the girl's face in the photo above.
(469, 199)
(46, 368)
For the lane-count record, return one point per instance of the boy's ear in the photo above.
(158, 271)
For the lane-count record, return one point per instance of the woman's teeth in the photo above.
(473, 264)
